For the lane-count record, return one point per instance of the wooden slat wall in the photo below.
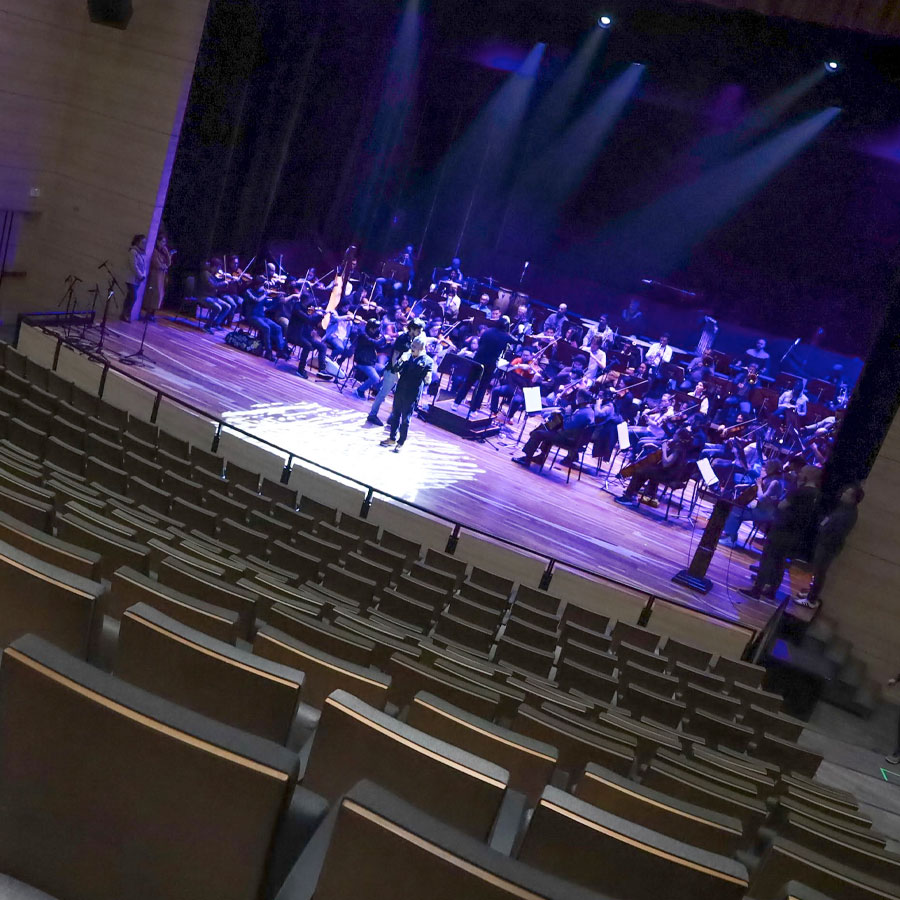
(880, 17)
(90, 116)
(864, 584)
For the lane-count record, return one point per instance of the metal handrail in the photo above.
(371, 491)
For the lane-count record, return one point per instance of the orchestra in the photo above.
(589, 379)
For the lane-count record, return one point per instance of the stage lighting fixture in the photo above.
(604, 21)
(831, 66)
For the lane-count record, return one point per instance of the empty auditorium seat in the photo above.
(111, 793)
(213, 678)
(49, 549)
(355, 741)
(376, 846)
(46, 600)
(574, 840)
(637, 803)
(324, 673)
(128, 587)
(576, 745)
(785, 861)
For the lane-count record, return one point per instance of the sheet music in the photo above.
(706, 470)
(532, 397)
(624, 436)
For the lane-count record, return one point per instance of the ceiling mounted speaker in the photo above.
(115, 13)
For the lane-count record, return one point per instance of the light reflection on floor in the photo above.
(341, 440)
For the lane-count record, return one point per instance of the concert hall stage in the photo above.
(466, 481)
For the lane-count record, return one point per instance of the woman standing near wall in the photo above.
(160, 262)
(137, 272)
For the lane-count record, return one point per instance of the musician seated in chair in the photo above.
(572, 427)
(739, 400)
(565, 380)
(522, 372)
(792, 404)
(369, 343)
(256, 303)
(761, 509)
(304, 330)
(652, 427)
(451, 305)
(674, 457)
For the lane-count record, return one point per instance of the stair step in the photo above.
(819, 633)
(854, 673)
(867, 698)
(838, 651)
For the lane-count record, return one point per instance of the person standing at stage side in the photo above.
(414, 370)
(794, 517)
(369, 343)
(833, 531)
(490, 348)
(137, 272)
(392, 369)
(894, 758)
(160, 263)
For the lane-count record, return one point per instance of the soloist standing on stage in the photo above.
(412, 372)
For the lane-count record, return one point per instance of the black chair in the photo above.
(576, 444)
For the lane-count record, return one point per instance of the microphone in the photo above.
(527, 263)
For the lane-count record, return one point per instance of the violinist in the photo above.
(606, 421)
(652, 426)
(304, 332)
(369, 343)
(256, 303)
(522, 372)
(208, 287)
(227, 292)
(237, 275)
(674, 457)
(521, 324)
(541, 438)
(761, 511)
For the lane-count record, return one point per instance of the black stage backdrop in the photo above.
(278, 147)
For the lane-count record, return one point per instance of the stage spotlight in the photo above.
(831, 67)
(604, 21)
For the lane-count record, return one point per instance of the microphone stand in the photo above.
(69, 300)
(139, 358)
(110, 294)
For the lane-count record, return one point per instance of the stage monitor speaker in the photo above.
(115, 13)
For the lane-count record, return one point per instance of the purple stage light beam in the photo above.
(661, 236)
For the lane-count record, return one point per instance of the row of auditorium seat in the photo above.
(493, 779)
(162, 777)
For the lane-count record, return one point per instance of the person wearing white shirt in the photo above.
(593, 349)
(792, 404)
(659, 353)
(137, 273)
(450, 306)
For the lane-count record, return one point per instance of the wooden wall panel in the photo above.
(91, 116)
(863, 589)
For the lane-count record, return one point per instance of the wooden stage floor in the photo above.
(472, 483)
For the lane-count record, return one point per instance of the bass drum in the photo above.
(504, 300)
